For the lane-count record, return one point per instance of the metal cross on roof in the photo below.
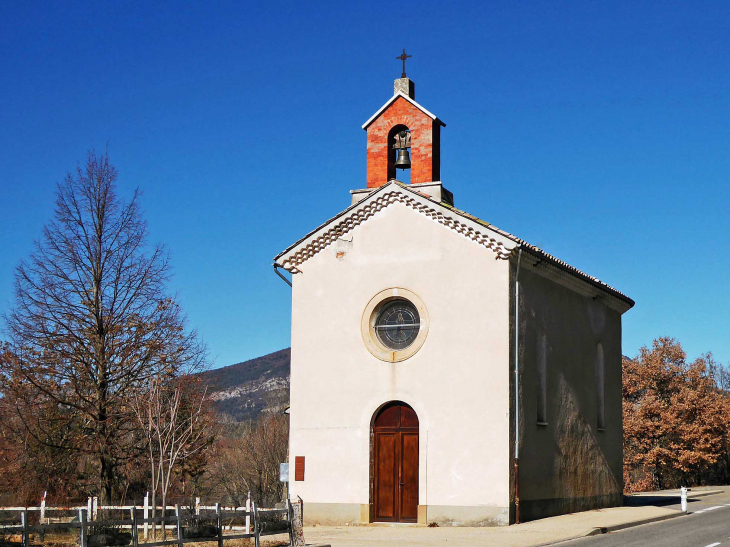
(403, 58)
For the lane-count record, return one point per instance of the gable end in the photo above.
(296, 256)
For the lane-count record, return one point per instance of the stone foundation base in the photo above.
(340, 514)
(335, 514)
(469, 515)
(353, 514)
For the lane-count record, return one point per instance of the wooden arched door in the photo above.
(395, 464)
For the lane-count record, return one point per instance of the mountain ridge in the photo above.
(244, 390)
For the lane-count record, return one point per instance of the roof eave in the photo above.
(571, 270)
(407, 98)
(519, 243)
(338, 215)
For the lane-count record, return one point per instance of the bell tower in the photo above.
(403, 135)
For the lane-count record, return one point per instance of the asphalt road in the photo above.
(707, 524)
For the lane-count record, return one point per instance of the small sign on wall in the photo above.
(299, 468)
(283, 472)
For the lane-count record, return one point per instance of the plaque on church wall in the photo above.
(299, 468)
(283, 472)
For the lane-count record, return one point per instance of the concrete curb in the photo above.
(563, 540)
(690, 495)
(615, 528)
(673, 494)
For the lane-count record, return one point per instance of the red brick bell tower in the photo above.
(400, 113)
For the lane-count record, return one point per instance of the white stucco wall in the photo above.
(458, 383)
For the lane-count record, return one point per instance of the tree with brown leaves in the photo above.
(92, 324)
(675, 418)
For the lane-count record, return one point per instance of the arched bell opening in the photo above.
(394, 464)
(399, 152)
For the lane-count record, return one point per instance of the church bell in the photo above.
(402, 144)
(402, 161)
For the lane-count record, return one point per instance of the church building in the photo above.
(442, 369)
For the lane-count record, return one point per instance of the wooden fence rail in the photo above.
(93, 507)
(263, 525)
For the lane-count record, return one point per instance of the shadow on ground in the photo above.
(657, 501)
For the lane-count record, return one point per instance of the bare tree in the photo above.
(173, 418)
(247, 459)
(721, 374)
(92, 323)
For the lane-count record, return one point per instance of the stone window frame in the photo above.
(370, 315)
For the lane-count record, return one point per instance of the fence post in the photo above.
(298, 522)
(256, 526)
(197, 506)
(219, 520)
(89, 505)
(84, 540)
(43, 506)
(179, 526)
(248, 511)
(43, 516)
(146, 513)
(135, 533)
(24, 522)
(95, 514)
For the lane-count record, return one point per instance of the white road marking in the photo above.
(713, 544)
(708, 509)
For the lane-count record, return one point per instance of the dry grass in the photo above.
(66, 539)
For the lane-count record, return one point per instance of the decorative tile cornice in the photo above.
(292, 260)
(501, 243)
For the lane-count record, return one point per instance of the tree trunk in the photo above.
(164, 508)
(154, 496)
(107, 479)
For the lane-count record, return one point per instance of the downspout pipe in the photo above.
(276, 269)
(517, 388)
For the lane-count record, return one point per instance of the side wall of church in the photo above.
(458, 382)
(567, 462)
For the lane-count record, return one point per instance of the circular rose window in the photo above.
(394, 325)
(397, 324)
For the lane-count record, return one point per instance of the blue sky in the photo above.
(599, 131)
